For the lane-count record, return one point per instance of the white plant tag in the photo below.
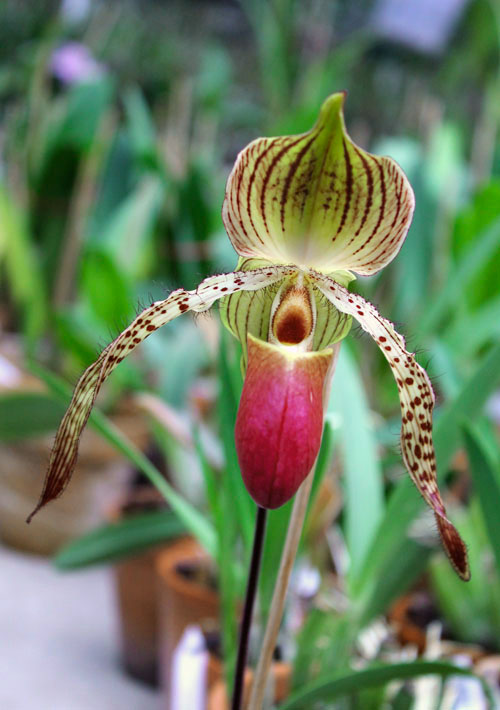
(189, 670)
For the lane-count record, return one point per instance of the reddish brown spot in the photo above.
(418, 451)
(150, 328)
(409, 380)
(382, 339)
(293, 328)
(183, 307)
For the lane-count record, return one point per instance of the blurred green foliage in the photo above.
(110, 192)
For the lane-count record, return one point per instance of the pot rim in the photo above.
(187, 549)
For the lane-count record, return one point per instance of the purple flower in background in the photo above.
(73, 62)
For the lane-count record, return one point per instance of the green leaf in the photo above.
(25, 414)
(328, 688)
(470, 332)
(86, 103)
(473, 261)
(112, 542)
(323, 461)
(324, 645)
(140, 127)
(229, 570)
(214, 78)
(403, 700)
(486, 476)
(276, 529)
(391, 579)
(362, 473)
(132, 224)
(229, 394)
(479, 214)
(22, 269)
(106, 287)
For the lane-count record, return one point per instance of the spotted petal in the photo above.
(317, 200)
(64, 453)
(417, 402)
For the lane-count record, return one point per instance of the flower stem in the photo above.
(280, 590)
(251, 592)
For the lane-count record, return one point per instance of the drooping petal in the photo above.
(249, 312)
(280, 419)
(417, 402)
(65, 450)
(317, 200)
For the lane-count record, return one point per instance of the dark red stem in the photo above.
(251, 593)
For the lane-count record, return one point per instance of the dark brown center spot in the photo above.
(292, 329)
(293, 319)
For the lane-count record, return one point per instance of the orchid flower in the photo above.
(304, 214)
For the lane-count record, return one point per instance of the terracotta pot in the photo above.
(218, 698)
(137, 594)
(135, 584)
(410, 616)
(183, 602)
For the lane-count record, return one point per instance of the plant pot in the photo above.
(184, 601)
(137, 595)
(135, 585)
(218, 697)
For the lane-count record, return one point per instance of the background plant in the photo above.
(138, 157)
